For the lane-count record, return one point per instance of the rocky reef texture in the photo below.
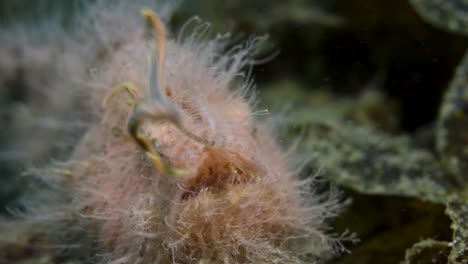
(449, 15)
(369, 161)
(452, 139)
(429, 165)
(356, 150)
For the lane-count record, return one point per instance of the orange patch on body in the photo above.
(219, 168)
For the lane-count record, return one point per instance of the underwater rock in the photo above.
(428, 251)
(452, 129)
(357, 155)
(452, 136)
(446, 14)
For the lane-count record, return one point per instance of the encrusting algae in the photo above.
(174, 168)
